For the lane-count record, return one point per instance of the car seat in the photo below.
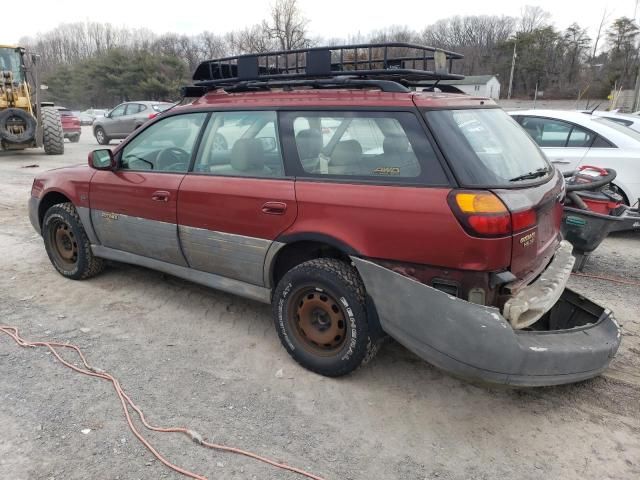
(248, 159)
(309, 144)
(346, 158)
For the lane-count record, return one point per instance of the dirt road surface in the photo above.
(207, 360)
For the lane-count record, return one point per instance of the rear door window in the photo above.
(241, 144)
(365, 145)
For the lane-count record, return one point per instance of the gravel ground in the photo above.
(207, 360)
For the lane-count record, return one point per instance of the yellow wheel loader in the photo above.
(25, 122)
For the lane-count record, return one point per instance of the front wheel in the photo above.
(321, 319)
(67, 244)
(101, 136)
(74, 139)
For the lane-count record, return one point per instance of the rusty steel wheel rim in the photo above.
(65, 246)
(319, 321)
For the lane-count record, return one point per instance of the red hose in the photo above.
(127, 402)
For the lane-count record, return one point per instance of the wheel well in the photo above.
(620, 192)
(49, 200)
(299, 252)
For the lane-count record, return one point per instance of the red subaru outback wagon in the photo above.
(318, 181)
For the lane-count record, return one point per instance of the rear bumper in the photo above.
(34, 202)
(476, 342)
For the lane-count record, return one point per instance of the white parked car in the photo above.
(570, 139)
(627, 119)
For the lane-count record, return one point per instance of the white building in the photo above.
(481, 85)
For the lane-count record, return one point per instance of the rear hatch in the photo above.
(489, 152)
(533, 247)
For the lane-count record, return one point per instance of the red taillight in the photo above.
(152, 115)
(483, 214)
(491, 225)
(523, 220)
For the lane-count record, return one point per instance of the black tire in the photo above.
(74, 138)
(11, 115)
(52, 134)
(101, 136)
(67, 244)
(326, 285)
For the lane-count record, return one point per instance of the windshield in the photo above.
(620, 128)
(486, 147)
(10, 60)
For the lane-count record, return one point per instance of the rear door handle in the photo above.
(160, 196)
(274, 208)
(561, 162)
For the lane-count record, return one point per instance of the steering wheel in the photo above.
(172, 158)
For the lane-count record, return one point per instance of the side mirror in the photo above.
(107, 114)
(102, 159)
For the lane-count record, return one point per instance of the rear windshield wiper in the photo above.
(540, 172)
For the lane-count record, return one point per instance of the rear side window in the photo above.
(367, 145)
(555, 133)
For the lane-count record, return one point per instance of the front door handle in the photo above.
(560, 161)
(160, 196)
(274, 208)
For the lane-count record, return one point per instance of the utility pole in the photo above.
(513, 66)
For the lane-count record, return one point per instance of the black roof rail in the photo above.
(389, 66)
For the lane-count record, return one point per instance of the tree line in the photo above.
(97, 64)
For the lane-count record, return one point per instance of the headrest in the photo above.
(395, 144)
(247, 154)
(309, 143)
(346, 152)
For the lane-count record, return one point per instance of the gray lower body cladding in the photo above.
(477, 342)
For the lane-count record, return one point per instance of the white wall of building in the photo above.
(491, 89)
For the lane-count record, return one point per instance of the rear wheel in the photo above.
(101, 136)
(319, 312)
(74, 138)
(52, 134)
(67, 244)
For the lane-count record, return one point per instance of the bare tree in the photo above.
(287, 25)
(603, 21)
(532, 18)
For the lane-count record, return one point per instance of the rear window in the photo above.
(486, 147)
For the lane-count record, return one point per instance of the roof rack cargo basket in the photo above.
(403, 63)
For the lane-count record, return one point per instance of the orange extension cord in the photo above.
(608, 279)
(127, 402)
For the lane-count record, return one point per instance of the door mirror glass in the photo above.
(102, 159)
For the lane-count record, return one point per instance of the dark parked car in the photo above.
(356, 207)
(70, 124)
(125, 118)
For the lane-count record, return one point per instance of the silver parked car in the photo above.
(125, 118)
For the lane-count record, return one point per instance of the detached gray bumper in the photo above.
(477, 342)
(33, 213)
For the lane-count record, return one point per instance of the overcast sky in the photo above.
(328, 18)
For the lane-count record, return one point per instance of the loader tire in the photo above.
(52, 134)
(11, 115)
